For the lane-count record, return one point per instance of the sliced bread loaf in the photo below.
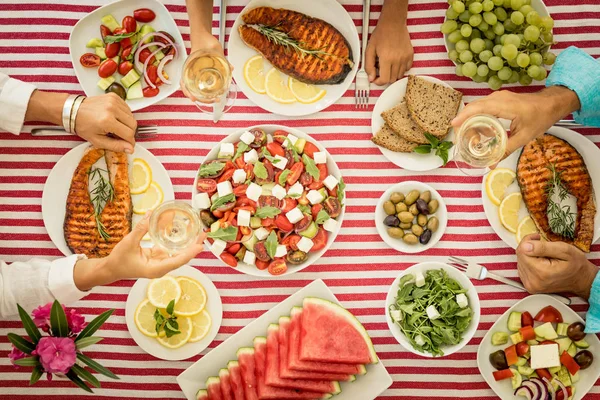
(388, 139)
(398, 118)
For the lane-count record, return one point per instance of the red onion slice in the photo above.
(162, 36)
(543, 389)
(136, 56)
(551, 391)
(161, 65)
(525, 391)
(151, 84)
(534, 389)
(563, 388)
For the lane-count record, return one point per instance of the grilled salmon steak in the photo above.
(332, 63)
(534, 174)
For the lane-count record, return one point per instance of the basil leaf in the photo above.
(242, 147)
(265, 153)
(311, 167)
(210, 169)
(228, 234)
(283, 177)
(432, 139)
(341, 191)
(322, 216)
(447, 145)
(443, 154)
(267, 212)
(170, 307)
(423, 149)
(260, 171)
(304, 209)
(222, 201)
(117, 38)
(271, 244)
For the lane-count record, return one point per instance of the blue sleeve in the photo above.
(592, 323)
(580, 72)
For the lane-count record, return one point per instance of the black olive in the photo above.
(422, 207)
(207, 218)
(391, 220)
(576, 331)
(584, 358)
(425, 237)
(498, 360)
(117, 89)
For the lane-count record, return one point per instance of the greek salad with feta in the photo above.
(268, 200)
(544, 357)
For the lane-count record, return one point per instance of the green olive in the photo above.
(396, 197)
(410, 238)
(411, 197)
(389, 208)
(433, 224)
(401, 207)
(413, 209)
(405, 225)
(426, 195)
(405, 216)
(433, 205)
(422, 219)
(396, 233)
(417, 230)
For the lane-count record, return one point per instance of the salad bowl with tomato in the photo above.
(271, 200)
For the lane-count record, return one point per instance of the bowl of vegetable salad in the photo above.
(271, 200)
(432, 309)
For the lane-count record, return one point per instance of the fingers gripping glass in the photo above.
(174, 226)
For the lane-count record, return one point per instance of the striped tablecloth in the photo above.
(358, 268)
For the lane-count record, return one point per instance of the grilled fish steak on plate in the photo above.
(329, 67)
(534, 175)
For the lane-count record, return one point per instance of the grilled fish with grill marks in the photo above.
(311, 33)
(534, 175)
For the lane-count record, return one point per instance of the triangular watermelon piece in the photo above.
(235, 379)
(330, 333)
(272, 377)
(294, 362)
(267, 392)
(202, 395)
(213, 387)
(245, 357)
(225, 378)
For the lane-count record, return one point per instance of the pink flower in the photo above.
(15, 354)
(41, 316)
(57, 354)
(76, 321)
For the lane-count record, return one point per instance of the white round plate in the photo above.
(151, 345)
(333, 170)
(390, 98)
(89, 27)
(591, 155)
(330, 11)
(461, 279)
(399, 244)
(56, 190)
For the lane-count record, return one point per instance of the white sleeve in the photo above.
(36, 283)
(14, 98)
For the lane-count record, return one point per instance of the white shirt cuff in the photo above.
(61, 282)
(14, 99)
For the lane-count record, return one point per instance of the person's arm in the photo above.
(14, 97)
(200, 13)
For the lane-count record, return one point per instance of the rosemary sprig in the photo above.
(100, 195)
(283, 39)
(560, 217)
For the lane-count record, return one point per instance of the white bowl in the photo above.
(333, 170)
(399, 244)
(89, 27)
(461, 279)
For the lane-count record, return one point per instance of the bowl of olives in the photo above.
(411, 217)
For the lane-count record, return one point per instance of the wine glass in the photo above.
(174, 226)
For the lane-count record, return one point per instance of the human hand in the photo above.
(206, 42)
(553, 267)
(100, 115)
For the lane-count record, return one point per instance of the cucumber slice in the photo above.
(146, 29)
(110, 22)
(299, 145)
(249, 244)
(215, 226)
(572, 350)
(100, 52)
(499, 338)
(561, 329)
(310, 232)
(533, 342)
(521, 361)
(516, 380)
(582, 344)
(546, 331)
(267, 188)
(564, 376)
(525, 370)
(131, 78)
(516, 338)
(116, 59)
(575, 378)
(94, 43)
(255, 222)
(554, 370)
(158, 56)
(563, 344)
(514, 321)
(104, 83)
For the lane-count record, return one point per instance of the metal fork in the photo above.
(479, 272)
(141, 133)
(362, 85)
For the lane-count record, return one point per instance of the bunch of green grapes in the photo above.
(499, 41)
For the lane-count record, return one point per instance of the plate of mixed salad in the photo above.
(271, 199)
(539, 350)
(136, 53)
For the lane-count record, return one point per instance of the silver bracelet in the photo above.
(66, 112)
(74, 111)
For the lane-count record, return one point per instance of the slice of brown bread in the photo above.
(432, 106)
(388, 139)
(398, 118)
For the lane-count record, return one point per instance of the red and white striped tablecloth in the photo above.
(358, 268)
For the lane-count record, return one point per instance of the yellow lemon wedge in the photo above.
(305, 93)
(254, 74)
(141, 176)
(201, 323)
(162, 290)
(144, 319)
(526, 227)
(178, 340)
(277, 89)
(509, 211)
(193, 297)
(496, 183)
(151, 199)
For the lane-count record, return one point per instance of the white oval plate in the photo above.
(151, 345)
(56, 190)
(399, 244)
(390, 98)
(327, 10)
(89, 27)
(333, 170)
(533, 304)
(460, 278)
(591, 155)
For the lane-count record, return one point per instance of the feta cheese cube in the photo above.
(432, 313)
(396, 315)
(291, 142)
(462, 300)
(247, 137)
(305, 244)
(294, 215)
(224, 188)
(281, 251)
(315, 197)
(254, 191)
(249, 258)
(320, 157)
(281, 163)
(243, 218)
(278, 191)
(330, 225)
(218, 247)
(544, 356)
(202, 201)
(226, 150)
(330, 182)
(296, 190)
(239, 176)
(419, 340)
(419, 279)
(261, 233)
(251, 157)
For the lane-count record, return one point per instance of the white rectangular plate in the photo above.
(365, 387)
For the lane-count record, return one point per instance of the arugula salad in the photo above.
(432, 311)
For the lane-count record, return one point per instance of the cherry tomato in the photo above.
(112, 49)
(275, 149)
(320, 240)
(544, 373)
(247, 208)
(129, 24)
(303, 223)
(239, 162)
(104, 31)
(547, 342)
(125, 67)
(332, 206)
(234, 248)
(322, 172)
(244, 201)
(291, 242)
(332, 192)
(169, 50)
(268, 201)
(267, 222)
(277, 267)
(89, 60)
(306, 179)
(152, 71)
(261, 252)
(107, 68)
(549, 314)
(227, 175)
(229, 259)
(287, 204)
(522, 348)
(283, 223)
(561, 396)
(315, 210)
(249, 168)
(126, 53)
(125, 42)
(279, 136)
(295, 173)
(261, 265)
(316, 185)
(240, 190)
(205, 185)
(310, 150)
(246, 230)
(144, 54)
(150, 92)
(144, 15)
(526, 319)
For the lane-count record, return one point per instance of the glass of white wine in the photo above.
(174, 226)
(479, 144)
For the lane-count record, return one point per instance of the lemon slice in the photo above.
(178, 340)
(496, 183)
(526, 227)
(144, 319)
(277, 89)
(254, 74)
(304, 92)
(509, 211)
(149, 200)
(193, 298)
(201, 323)
(161, 291)
(141, 176)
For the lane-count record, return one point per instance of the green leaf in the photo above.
(446, 145)
(28, 361)
(29, 325)
(304, 208)
(265, 153)
(443, 154)
(228, 234)
(423, 149)
(222, 201)
(322, 216)
(341, 191)
(170, 307)
(21, 343)
(283, 177)
(117, 38)
(58, 320)
(271, 244)
(36, 374)
(260, 171)
(290, 146)
(311, 167)
(88, 341)
(94, 325)
(210, 169)
(405, 279)
(267, 212)
(241, 149)
(85, 374)
(96, 366)
(76, 380)
(432, 139)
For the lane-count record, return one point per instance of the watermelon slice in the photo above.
(202, 395)
(287, 373)
(225, 384)
(213, 387)
(267, 392)
(330, 333)
(245, 357)
(294, 362)
(235, 379)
